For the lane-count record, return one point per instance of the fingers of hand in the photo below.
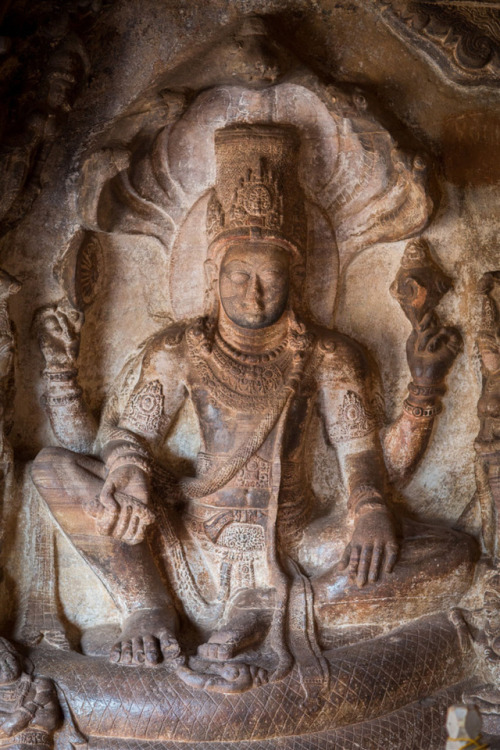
(123, 522)
(391, 556)
(377, 555)
(122, 516)
(50, 325)
(133, 522)
(364, 565)
(425, 337)
(107, 496)
(427, 322)
(354, 561)
(108, 513)
(434, 342)
(365, 562)
(345, 558)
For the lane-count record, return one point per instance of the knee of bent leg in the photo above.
(43, 469)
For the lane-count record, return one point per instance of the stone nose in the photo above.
(255, 291)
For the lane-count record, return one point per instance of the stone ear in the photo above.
(211, 272)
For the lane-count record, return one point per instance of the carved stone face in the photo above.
(254, 284)
(59, 94)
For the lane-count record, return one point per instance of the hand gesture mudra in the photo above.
(122, 511)
(58, 328)
(431, 349)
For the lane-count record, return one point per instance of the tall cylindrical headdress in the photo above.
(257, 193)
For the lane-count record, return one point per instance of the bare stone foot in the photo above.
(224, 678)
(222, 645)
(243, 630)
(147, 638)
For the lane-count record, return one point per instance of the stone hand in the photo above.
(373, 547)
(431, 350)
(124, 513)
(58, 327)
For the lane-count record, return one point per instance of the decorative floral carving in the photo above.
(89, 270)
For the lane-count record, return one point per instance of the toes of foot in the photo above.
(224, 651)
(138, 651)
(203, 650)
(261, 677)
(168, 645)
(126, 652)
(213, 650)
(152, 653)
(116, 653)
(208, 650)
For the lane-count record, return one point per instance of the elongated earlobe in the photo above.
(211, 272)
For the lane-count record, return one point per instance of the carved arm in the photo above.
(351, 426)
(128, 437)
(431, 350)
(373, 546)
(58, 327)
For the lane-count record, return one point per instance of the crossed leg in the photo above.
(70, 483)
(246, 625)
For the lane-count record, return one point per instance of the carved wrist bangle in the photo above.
(127, 447)
(365, 493)
(422, 412)
(130, 459)
(60, 375)
(65, 398)
(367, 506)
(427, 391)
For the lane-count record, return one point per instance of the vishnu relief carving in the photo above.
(245, 604)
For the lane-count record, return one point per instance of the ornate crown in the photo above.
(257, 193)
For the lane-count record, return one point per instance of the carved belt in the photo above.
(211, 522)
(256, 474)
(218, 523)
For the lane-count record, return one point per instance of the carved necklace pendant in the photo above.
(255, 375)
(241, 381)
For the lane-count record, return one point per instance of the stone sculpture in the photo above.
(223, 551)
(246, 608)
(23, 154)
(29, 708)
(488, 411)
(253, 370)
